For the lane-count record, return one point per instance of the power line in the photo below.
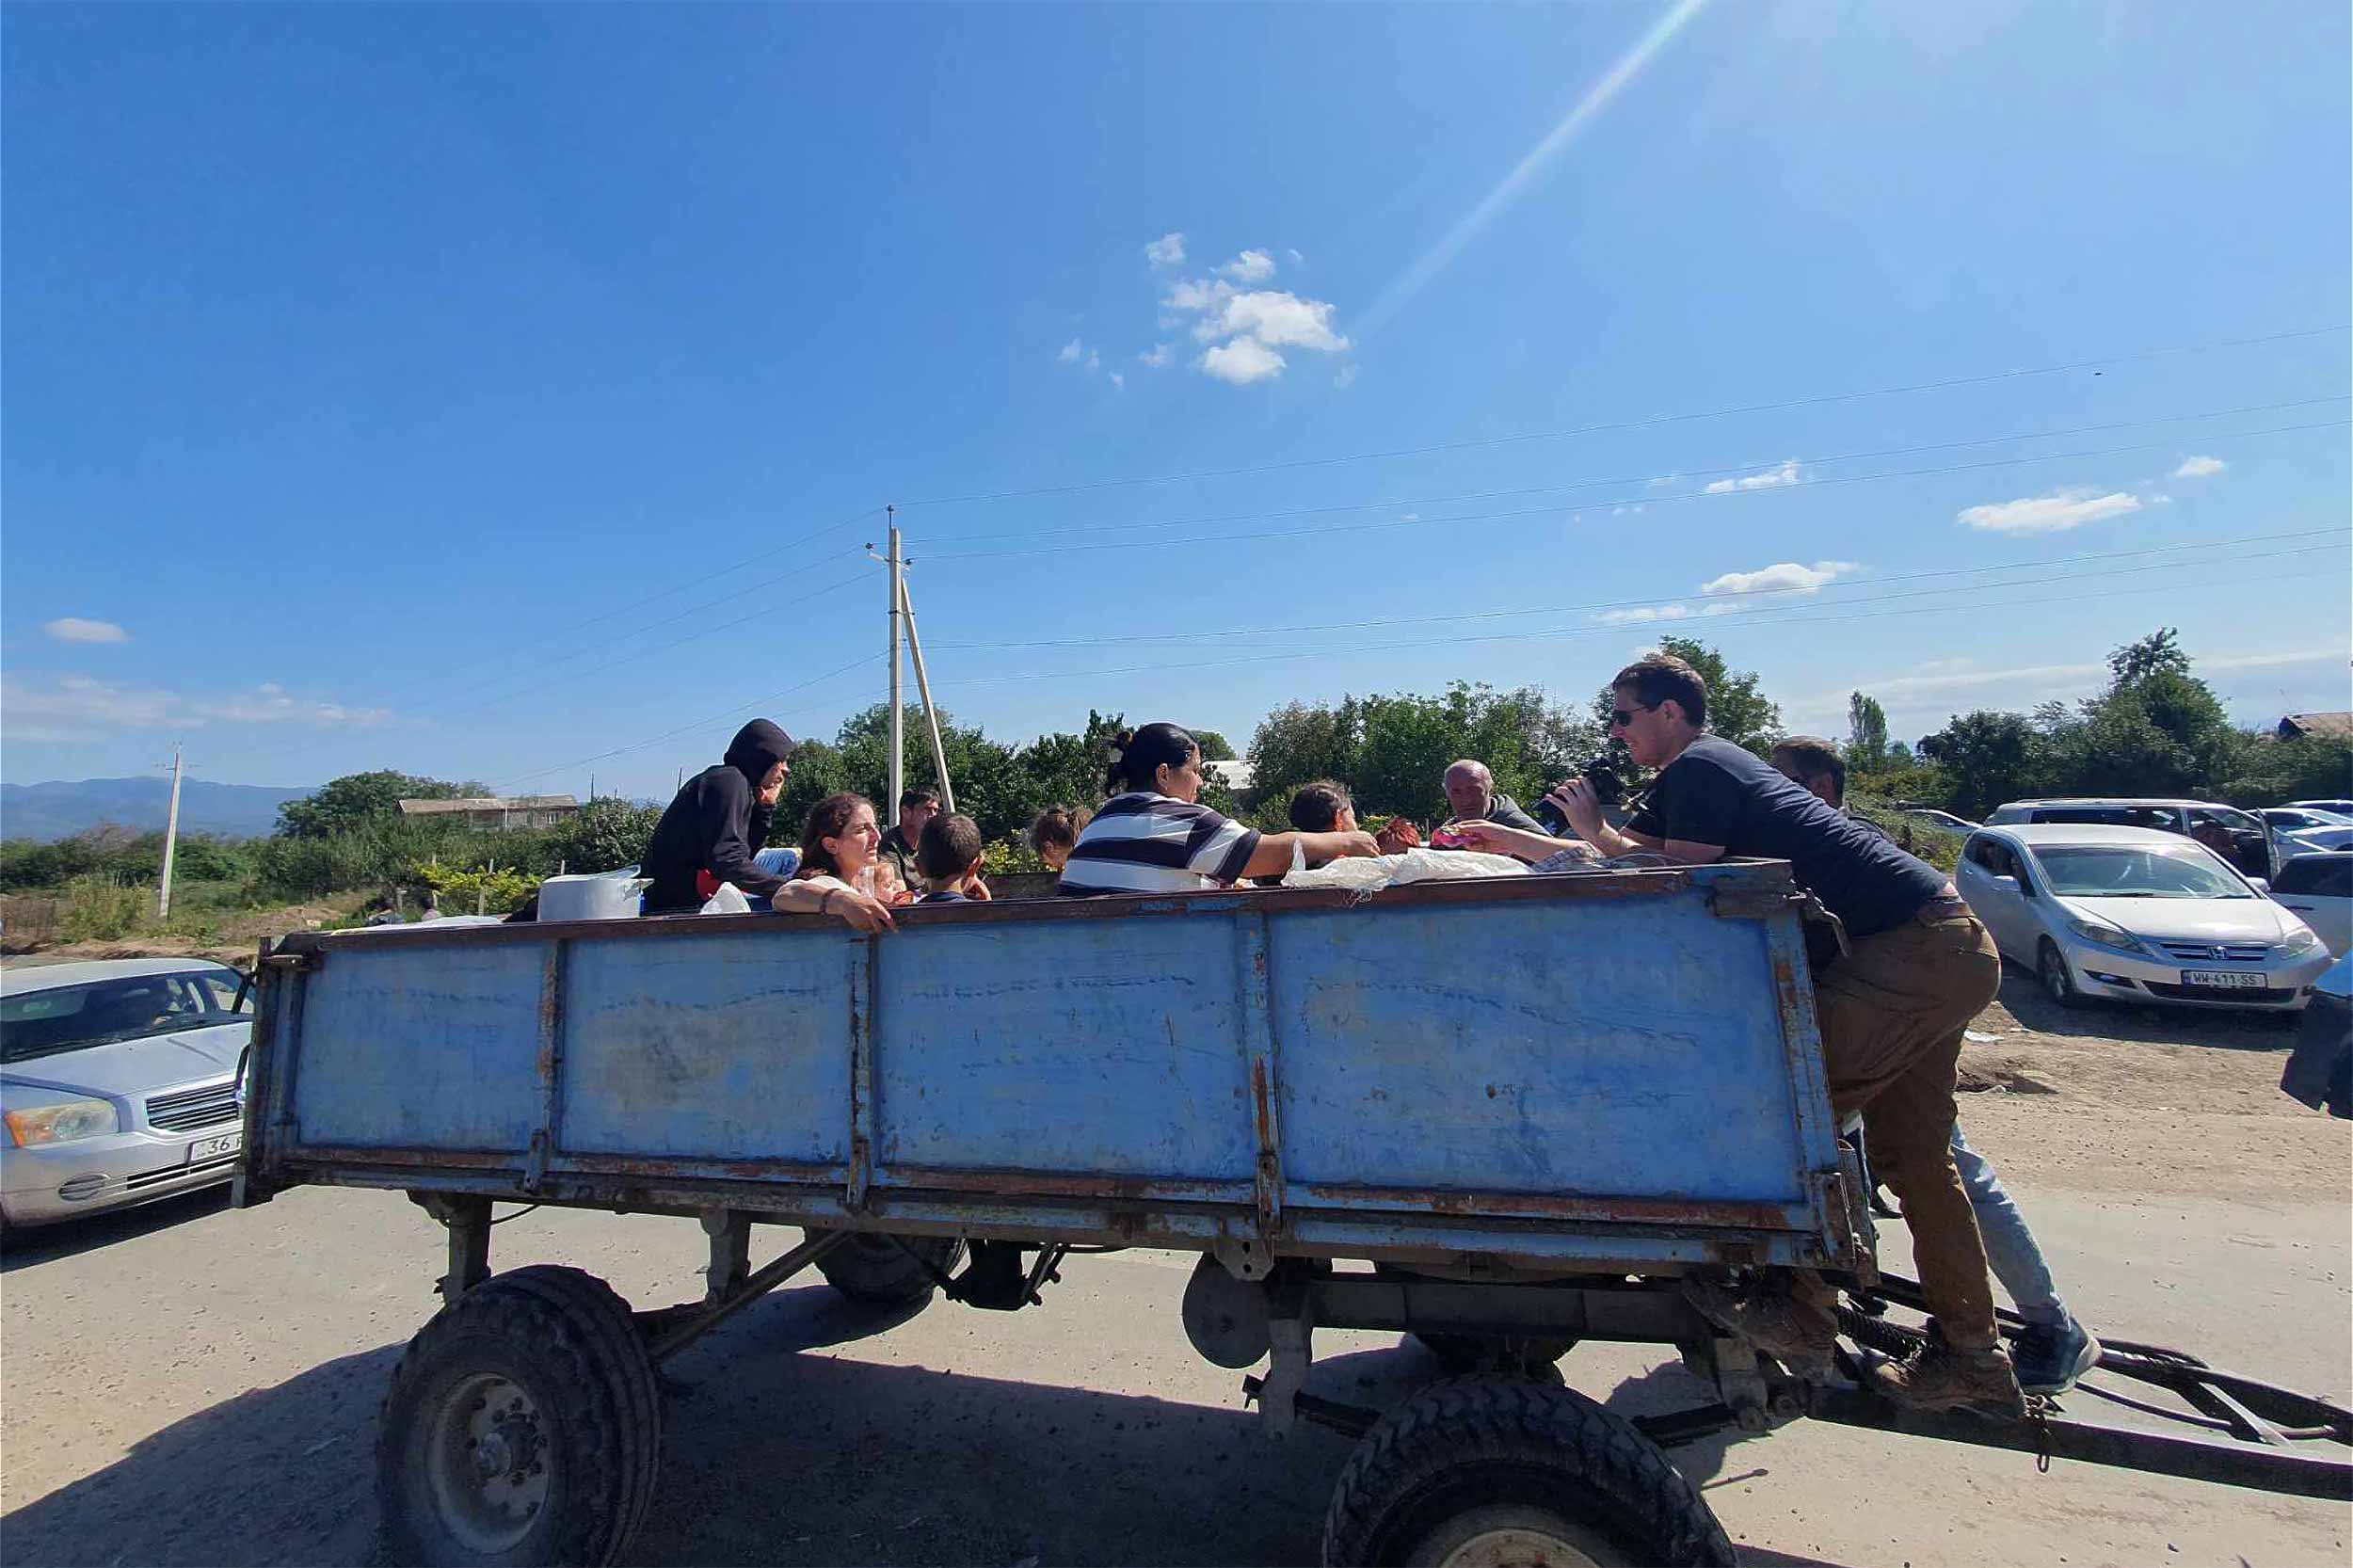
(719, 718)
(1649, 500)
(1729, 469)
(1637, 603)
(1265, 656)
(1647, 422)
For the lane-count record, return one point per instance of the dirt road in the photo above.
(193, 1385)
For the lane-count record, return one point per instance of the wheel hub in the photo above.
(486, 1463)
(1517, 1548)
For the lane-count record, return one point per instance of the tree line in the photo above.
(2155, 728)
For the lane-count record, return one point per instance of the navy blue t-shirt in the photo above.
(1718, 794)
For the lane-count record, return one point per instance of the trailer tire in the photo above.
(521, 1427)
(885, 1271)
(1519, 1470)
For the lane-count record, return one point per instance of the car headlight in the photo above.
(2105, 935)
(2301, 944)
(63, 1124)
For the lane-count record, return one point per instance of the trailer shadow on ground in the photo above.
(794, 1458)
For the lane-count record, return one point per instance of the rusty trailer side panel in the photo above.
(1598, 1071)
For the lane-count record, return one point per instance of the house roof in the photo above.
(487, 803)
(2327, 726)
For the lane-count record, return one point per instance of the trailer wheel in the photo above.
(1477, 1474)
(521, 1427)
(886, 1270)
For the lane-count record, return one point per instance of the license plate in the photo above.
(213, 1148)
(2223, 980)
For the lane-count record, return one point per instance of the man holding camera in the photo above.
(1919, 967)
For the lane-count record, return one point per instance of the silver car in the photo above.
(2136, 914)
(118, 1083)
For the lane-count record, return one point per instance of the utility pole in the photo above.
(171, 841)
(923, 688)
(898, 717)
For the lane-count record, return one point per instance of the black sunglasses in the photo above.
(1622, 717)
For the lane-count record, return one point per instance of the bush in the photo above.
(99, 908)
(495, 892)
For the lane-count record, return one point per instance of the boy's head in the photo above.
(951, 847)
(1324, 807)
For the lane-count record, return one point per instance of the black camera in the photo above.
(1607, 788)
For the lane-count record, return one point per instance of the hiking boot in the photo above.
(1939, 1377)
(1798, 1333)
(2051, 1356)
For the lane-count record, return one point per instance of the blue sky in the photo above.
(475, 391)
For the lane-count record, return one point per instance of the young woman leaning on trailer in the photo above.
(1153, 836)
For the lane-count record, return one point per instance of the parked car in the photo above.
(2239, 837)
(2136, 914)
(2320, 1070)
(2287, 818)
(1944, 820)
(2319, 888)
(2309, 840)
(118, 1083)
(2342, 807)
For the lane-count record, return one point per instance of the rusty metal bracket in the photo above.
(296, 963)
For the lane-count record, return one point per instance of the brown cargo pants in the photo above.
(1892, 1014)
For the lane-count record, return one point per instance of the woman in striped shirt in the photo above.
(1154, 837)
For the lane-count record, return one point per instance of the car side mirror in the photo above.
(2259, 883)
(2006, 883)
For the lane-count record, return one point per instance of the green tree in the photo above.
(2160, 652)
(360, 798)
(1986, 759)
(1867, 734)
(1214, 746)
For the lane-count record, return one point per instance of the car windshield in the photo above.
(2122, 871)
(2309, 816)
(74, 1018)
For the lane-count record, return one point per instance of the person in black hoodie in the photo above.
(717, 823)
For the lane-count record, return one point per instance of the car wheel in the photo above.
(2057, 984)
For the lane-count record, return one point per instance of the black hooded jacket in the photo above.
(716, 824)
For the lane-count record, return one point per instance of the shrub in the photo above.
(101, 908)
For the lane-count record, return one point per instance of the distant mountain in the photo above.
(59, 810)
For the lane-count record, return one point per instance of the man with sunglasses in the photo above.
(1918, 969)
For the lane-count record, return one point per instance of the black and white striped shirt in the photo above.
(1144, 842)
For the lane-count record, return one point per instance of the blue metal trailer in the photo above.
(1529, 1104)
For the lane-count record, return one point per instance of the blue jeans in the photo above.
(2010, 1246)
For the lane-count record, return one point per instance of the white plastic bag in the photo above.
(729, 899)
(1371, 873)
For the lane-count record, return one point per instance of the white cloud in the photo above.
(1345, 376)
(1241, 361)
(73, 629)
(1297, 260)
(1168, 251)
(1665, 481)
(1788, 576)
(1284, 320)
(1771, 478)
(1070, 352)
(1638, 615)
(81, 708)
(1254, 324)
(2200, 467)
(2049, 514)
(1156, 356)
(1250, 267)
(1118, 380)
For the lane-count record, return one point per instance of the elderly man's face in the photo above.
(1469, 792)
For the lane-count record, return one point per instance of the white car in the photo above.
(1944, 820)
(2240, 836)
(2309, 841)
(2319, 890)
(118, 1083)
(2136, 914)
(2342, 807)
